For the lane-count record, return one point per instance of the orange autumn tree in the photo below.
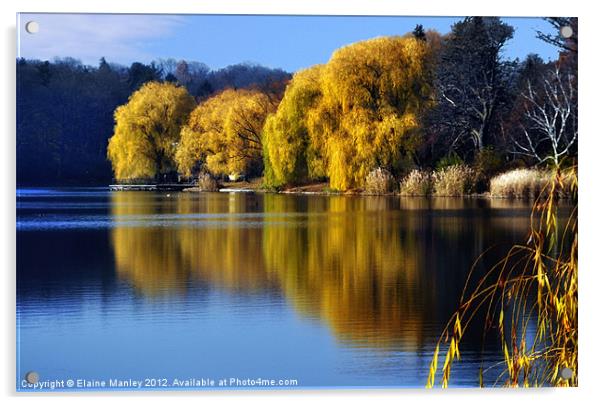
(147, 131)
(223, 133)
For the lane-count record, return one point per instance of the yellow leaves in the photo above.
(340, 120)
(357, 112)
(508, 359)
(458, 326)
(433, 369)
(364, 73)
(147, 130)
(338, 164)
(453, 353)
(224, 133)
(190, 151)
(373, 92)
(288, 150)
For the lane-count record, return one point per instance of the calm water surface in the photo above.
(327, 290)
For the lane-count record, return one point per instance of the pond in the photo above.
(312, 291)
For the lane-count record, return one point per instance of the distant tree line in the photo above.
(65, 110)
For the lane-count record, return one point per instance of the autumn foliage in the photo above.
(224, 134)
(358, 112)
(290, 153)
(373, 93)
(384, 103)
(147, 131)
(339, 121)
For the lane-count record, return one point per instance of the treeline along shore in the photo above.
(65, 110)
(416, 114)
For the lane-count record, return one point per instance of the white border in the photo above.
(590, 195)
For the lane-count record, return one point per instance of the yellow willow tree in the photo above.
(373, 94)
(224, 133)
(147, 131)
(289, 156)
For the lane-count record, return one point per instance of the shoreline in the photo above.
(484, 196)
(295, 191)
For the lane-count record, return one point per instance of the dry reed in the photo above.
(535, 283)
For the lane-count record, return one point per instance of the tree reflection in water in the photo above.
(380, 271)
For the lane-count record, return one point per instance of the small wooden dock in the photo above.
(150, 187)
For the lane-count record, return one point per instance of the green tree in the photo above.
(289, 155)
(147, 131)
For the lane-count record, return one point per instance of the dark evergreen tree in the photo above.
(471, 79)
(140, 73)
(419, 32)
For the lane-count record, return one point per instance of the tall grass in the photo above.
(379, 181)
(534, 284)
(520, 183)
(416, 183)
(454, 181)
(450, 181)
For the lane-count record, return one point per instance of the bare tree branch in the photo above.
(551, 118)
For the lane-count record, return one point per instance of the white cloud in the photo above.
(88, 37)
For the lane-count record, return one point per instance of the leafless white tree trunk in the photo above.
(551, 119)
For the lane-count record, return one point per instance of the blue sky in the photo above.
(287, 42)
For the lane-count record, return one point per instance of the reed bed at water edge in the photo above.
(529, 299)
